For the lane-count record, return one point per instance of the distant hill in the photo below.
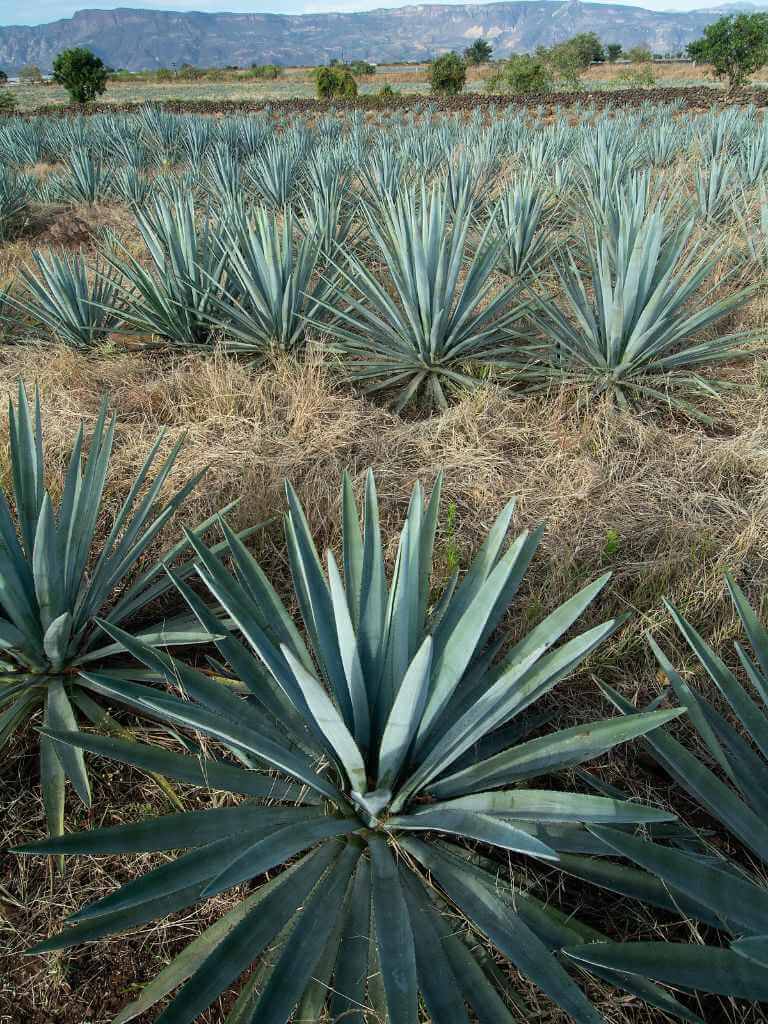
(140, 39)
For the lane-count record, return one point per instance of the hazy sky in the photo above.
(33, 12)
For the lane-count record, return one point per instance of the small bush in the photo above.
(637, 78)
(387, 91)
(333, 83)
(8, 102)
(31, 74)
(523, 74)
(448, 75)
(639, 55)
(266, 71)
(362, 67)
(189, 73)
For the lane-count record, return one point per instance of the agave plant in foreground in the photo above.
(423, 339)
(395, 734)
(633, 331)
(56, 575)
(719, 890)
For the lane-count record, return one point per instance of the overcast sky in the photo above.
(33, 12)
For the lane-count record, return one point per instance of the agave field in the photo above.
(408, 755)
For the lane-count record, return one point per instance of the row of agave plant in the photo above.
(391, 771)
(420, 291)
(111, 158)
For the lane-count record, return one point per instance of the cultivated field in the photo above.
(568, 308)
(299, 82)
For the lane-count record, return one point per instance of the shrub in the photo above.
(3, 77)
(612, 52)
(637, 78)
(362, 67)
(370, 753)
(189, 73)
(31, 74)
(267, 71)
(8, 102)
(735, 46)
(521, 74)
(639, 55)
(81, 73)
(387, 91)
(335, 83)
(479, 52)
(448, 75)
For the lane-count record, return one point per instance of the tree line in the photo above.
(735, 46)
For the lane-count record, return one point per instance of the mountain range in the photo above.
(139, 39)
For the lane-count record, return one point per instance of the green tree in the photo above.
(735, 46)
(613, 51)
(479, 52)
(336, 82)
(31, 74)
(588, 47)
(564, 63)
(448, 74)
(362, 67)
(522, 73)
(3, 77)
(81, 73)
(639, 55)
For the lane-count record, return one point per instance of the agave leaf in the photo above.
(197, 952)
(348, 992)
(246, 940)
(699, 967)
(395, 937)
(509, 933)
(742, 903)
(305, 945)
(199, 771)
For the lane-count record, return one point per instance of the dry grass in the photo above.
(662, 503)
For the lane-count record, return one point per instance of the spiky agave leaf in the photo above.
(273, 287)
(632, 331)
(517, 221)
(714, 191)
(422, 340)
(77, 304)
(86, 178)
(177, 301)
(714, 889)
(408, 735)
(16, 192)
(57, 574)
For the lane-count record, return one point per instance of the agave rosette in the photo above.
(57, 573)
(377, 750)
(709, 885)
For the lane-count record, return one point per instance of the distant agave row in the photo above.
(422, 293)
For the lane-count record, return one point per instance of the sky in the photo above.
(35, 12)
